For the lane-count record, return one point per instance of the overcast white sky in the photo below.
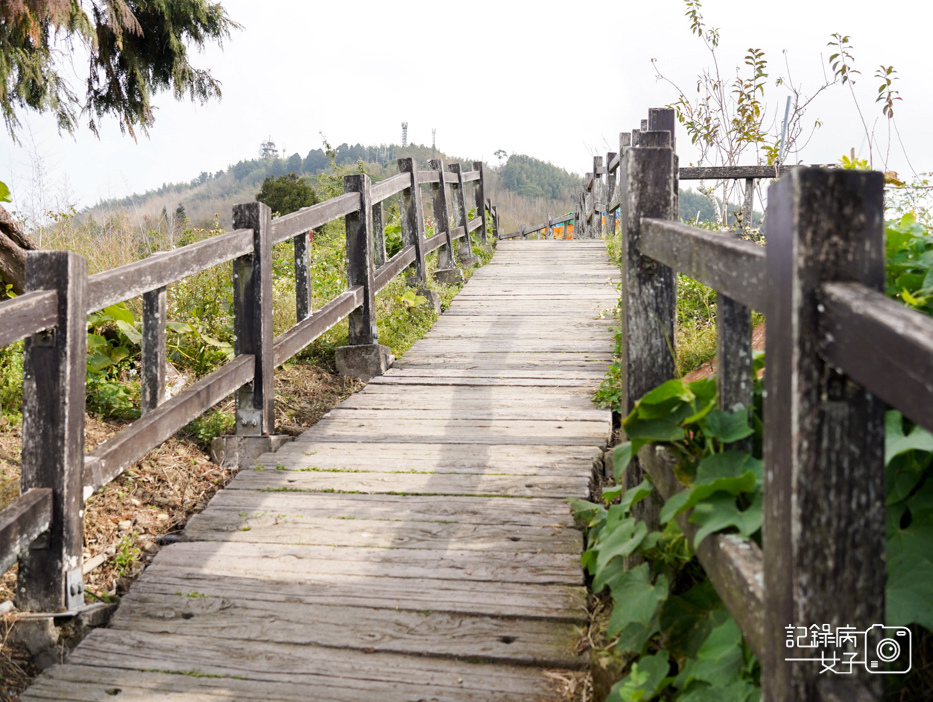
(557, 81)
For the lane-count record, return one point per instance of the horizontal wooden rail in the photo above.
(22, 522)
(731, 172)
(433, 243)
(735, 565)
(470, 176)
(291, 225)
(394, 266)
(732, 266)
(134, 279)
(881, 344)
(111, 458)
(27, 314)
(307, 330)
(429, 177)
(475, 224)
(614, 163)
(391, 186)
(457, 233)
(451, 178)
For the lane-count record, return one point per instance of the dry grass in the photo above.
(126, 521)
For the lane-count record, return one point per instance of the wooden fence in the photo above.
(43, 526)
(837, 351)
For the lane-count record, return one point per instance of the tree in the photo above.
(135, 49)
(285, 194)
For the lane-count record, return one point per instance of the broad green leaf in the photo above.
(720, 512)
(586, 513)
(909, 589)
(609, 494)
(647, 679)
(4, 193)
(726, 426)
(633, 637)
(118, 312)
(616, 544)
(118, 353)
(653, 429)
(896, 442)
(621, 457)
(733, 472)
(131, 332)
(98, 361)
(636, 494)
(719, 660)
(636, 598)
(178, 327)
(740, 691)
(688, 619)
(97, 344)
(728, 464)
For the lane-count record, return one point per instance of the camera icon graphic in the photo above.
(891, 653)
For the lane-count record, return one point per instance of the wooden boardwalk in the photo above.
(414, 544)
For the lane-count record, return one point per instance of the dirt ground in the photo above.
(127, 522)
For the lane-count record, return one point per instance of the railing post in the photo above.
(364, 357)
(464, 248)
(252, 321)
(412, 215)
(153, 355)
(54, 371)
(824, 515)
(549, 231)
(480, 193)
(447, 272)
(598, 204)
(646, 176)
(303, 297)
(379, 235)
(611, 179)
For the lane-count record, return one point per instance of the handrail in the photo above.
(64, 295)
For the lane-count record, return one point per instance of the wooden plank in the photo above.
(309, 218)
(270, 561)
(731, 172)
(544, 373)
(134, 279)
(504, 640)
(271, 526)
(564, 602)
(403, 508)
(883, 345)
(488, 382)
(22, 521)
(305, 665)
(310, 328)
(392, 185)
(401, 407)
(304, 476)
(27, 314)
(109, 459)
(732, 266)
(394, 266)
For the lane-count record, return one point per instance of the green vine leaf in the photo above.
(726, 426)
(721, 512)
(733, 472)
(688, 619)
(719, 660)
(647, 679)
(637, 599)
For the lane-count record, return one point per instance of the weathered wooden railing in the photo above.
(43, 526)
(836, 348)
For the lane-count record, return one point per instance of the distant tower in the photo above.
(404, 134)
(434, 143)
(267, 149)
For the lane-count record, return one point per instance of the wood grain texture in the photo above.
(415, 543)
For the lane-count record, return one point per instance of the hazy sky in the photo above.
(557, 81)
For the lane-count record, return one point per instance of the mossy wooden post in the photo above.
(412, 215)
(549, 228)
(598, 203)
(379, 235)
(461, 216)
(153, 355)
(447, 271)
(302, 251)
(479, 191)
(646, 176)
(824, 516)
(54, 369)
(363, 356)
(252, 321)
(611, 179)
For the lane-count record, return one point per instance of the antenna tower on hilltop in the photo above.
(267, 149)
(404, 134)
